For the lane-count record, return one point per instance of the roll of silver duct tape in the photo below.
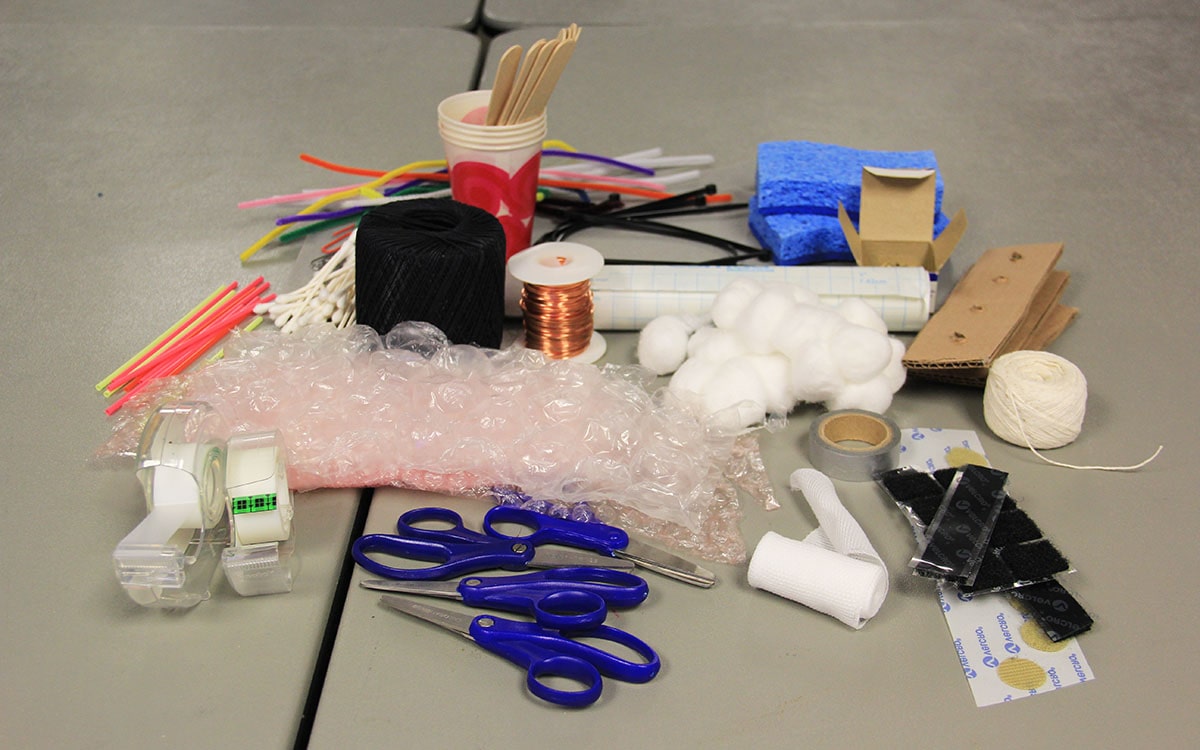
(853, 445)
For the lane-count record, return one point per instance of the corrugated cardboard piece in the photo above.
(896, 221)
(1007, 301)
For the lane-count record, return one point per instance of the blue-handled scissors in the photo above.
(563, 598)
(610, 541)
(456, 550)
(545, 652)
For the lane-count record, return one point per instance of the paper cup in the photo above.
(493, 167)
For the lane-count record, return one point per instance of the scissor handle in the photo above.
(561, 598)
(546, 653)
(546, 529)
(409, 525)
(451, 559)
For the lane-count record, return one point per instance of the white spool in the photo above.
(558, 264)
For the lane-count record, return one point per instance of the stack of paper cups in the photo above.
(493, 167)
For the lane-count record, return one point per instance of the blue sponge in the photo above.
(800, 239)
(812, 178)
(799, 185)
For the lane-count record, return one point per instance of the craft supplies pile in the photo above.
(438, 346)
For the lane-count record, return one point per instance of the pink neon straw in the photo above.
(189, 351)
(116, 383)
(139, 370)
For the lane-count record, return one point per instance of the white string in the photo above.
(1038, 400)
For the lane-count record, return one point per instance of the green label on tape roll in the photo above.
(254, 503)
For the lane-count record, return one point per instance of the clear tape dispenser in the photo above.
(169, 559)
(258, 559)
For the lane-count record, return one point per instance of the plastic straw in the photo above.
(195, 329)
(204, 304)
(191, 321)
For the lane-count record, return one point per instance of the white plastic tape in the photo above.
(260, 502)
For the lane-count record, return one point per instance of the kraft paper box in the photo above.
(896, 221)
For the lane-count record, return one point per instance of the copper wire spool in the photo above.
(558, 320)
(556, 299)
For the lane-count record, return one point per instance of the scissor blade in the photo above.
(452, 621)
(546, 557)
(661, 561)
(444, 589)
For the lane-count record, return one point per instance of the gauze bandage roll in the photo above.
(834, 570)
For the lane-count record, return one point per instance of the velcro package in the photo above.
(1015, 558)
(955, 542)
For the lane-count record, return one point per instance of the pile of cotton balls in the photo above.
(766, 347)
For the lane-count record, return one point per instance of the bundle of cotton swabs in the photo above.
(327, 298)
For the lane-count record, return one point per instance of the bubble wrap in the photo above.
(412, 410)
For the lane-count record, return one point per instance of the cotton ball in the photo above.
(774, 372)
(855, 311)
(814, 377)
(691, 377)
(663, 344)
(763, 316)
(735, 395)
(873, 395)
(894, 374)
(716, 345)
(732, 300)
(805, 327)
(860, 353)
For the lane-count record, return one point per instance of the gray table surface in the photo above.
(127, 148)
(128, 144)
(1066, 130)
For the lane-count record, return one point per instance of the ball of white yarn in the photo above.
(1035, 399)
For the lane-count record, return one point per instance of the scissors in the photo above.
(544, 651)
(563, 598)
(457, 550)
(606, 540)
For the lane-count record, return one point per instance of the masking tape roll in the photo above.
(853, 445)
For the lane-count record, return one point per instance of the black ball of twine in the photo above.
(434, 260)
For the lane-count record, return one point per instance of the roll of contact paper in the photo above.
(627, 297)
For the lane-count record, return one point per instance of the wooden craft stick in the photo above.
(536, 104)
(537, 64)
(522, 75)
(506, 77)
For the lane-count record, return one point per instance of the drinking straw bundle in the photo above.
(186, 341)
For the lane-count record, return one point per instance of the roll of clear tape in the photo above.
(853, 445)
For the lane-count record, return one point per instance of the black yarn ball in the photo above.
(433, 260)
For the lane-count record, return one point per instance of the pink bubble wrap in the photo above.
(412, 410)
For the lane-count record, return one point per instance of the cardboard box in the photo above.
(896, 221)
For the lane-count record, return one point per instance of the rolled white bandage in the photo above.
(834, 570)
